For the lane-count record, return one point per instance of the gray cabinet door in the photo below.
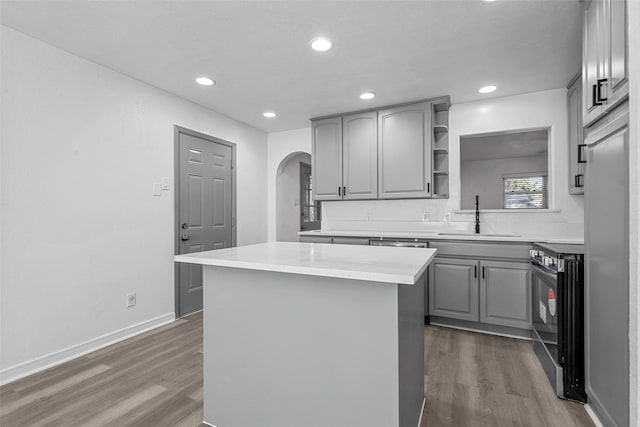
(592, 59)
(360, 156)
(607, 272)
(574, 111)
(404, 152)
(505, 293)
(327, 158)
(453, 288)
(617, 66)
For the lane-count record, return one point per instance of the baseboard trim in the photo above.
(461, 325)
(597, 411)
(424, 402)
(30, 367)
(593, 415)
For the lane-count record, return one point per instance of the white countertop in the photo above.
(442, 236)
(372, 263)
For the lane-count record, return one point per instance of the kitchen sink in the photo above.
(480, 235)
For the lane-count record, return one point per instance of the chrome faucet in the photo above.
(477, 215)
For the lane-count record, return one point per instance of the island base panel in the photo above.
(289, 350)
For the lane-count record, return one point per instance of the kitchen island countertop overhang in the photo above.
(376, 264)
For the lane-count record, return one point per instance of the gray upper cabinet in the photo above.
(575, 137)
(453, 288)
(404, 152)
(360, 156)
(605, 69)
(345, 157)
(505, 294)
(327, 159)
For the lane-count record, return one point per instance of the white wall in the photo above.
(528, 111)
(81, 147)
(634, 215)
(484, 178)
(288, 198)
(282, 145)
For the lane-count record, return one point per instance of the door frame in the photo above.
(177, 130)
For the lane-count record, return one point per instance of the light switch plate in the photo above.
(165, 183)
(157, 189)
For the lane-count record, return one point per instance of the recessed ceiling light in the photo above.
(269, 114)
(367, 95)
(205, 81)
(321, 44)
(487, 89)
(488, 1)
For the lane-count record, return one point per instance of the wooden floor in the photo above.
(155, 379)
(484, 380)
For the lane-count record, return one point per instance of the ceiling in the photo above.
(504, 145)
(258, 51)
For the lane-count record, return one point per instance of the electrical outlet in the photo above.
(425, 216)
(131, 300)
(369, 216)
(447, 217)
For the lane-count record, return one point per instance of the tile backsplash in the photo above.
(424, 215)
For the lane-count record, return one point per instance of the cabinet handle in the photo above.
(596, 92)
(579, 180)
(428, 187)
(339, 191)
(475, 271)
(483, 272)
(344, 191)
(581, 156)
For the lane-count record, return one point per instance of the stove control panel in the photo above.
(552, 263)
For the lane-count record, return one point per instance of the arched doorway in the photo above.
(290, 200)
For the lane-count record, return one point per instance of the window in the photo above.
(309, 209)
(525, 191)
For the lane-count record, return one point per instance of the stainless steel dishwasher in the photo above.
(409, 243)
(400, 243)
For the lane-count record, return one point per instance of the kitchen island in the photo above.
(303, 334)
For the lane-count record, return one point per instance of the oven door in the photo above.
(546, 305)
(547, 315)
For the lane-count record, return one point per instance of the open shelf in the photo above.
(441, 186)
(440, 148)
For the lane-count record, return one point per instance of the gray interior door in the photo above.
(204, 209)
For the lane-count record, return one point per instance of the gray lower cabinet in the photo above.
(490, 292)
(505, 293)
(453, 288)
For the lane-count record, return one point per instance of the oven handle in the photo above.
(544, 272)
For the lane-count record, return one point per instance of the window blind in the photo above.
(525, 192)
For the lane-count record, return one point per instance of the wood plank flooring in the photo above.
(476, 379)
(155, 379)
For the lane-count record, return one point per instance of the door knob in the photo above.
(184, 225)
(184, 237)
